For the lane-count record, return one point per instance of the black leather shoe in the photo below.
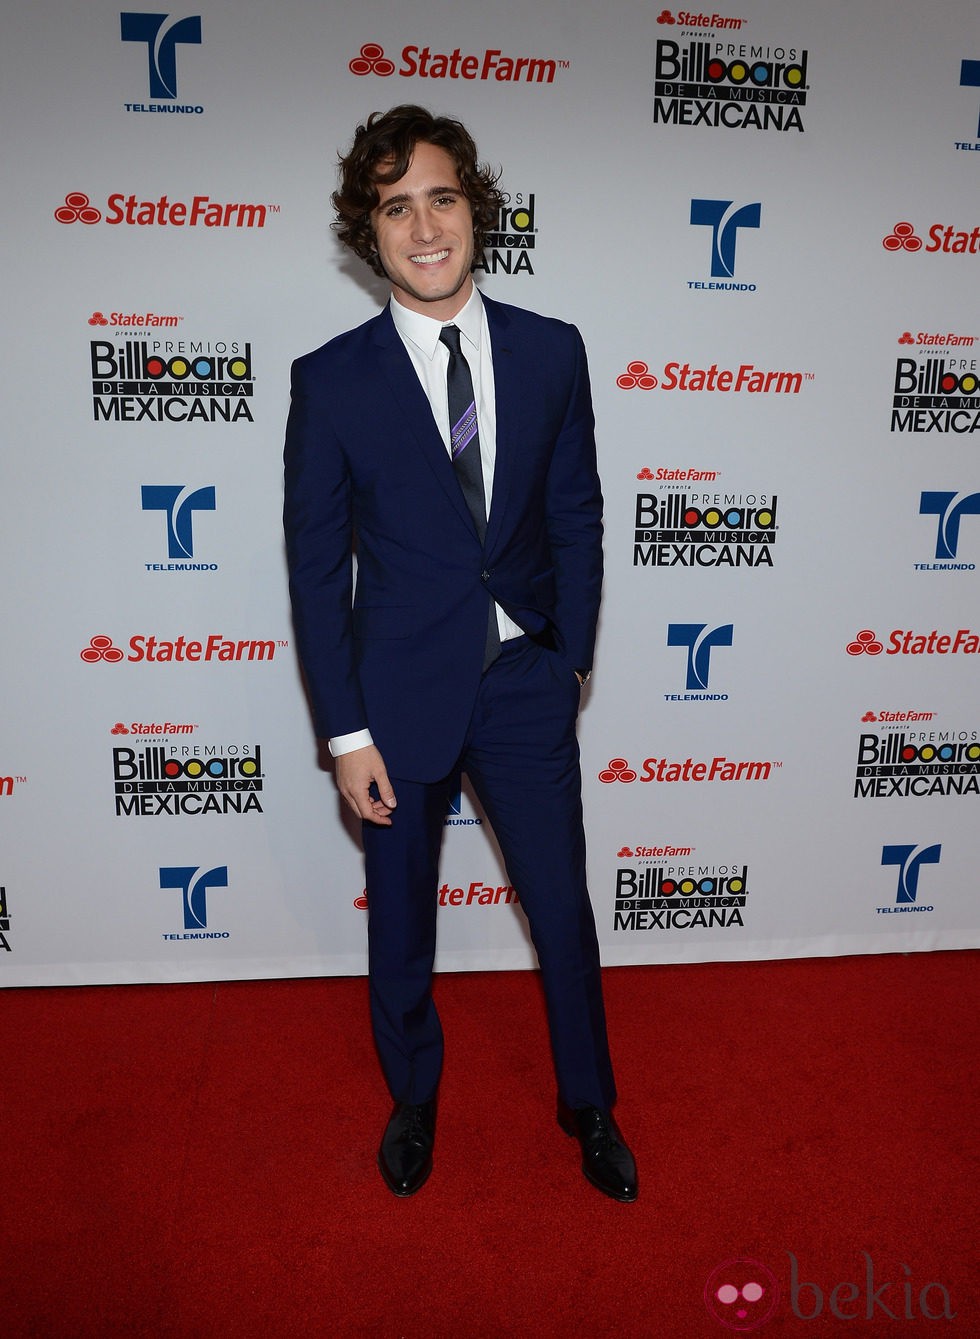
(405, 1155)
(606, 1161)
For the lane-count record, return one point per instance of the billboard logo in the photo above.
(511, 237)
(699, 643)
(195, 893)
(681, 529)
(179, 504)
(161, 36)
(909, 860)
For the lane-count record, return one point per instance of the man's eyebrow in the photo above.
(405, 196)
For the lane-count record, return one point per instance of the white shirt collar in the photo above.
(424, 332)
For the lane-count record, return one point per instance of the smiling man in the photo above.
(451, 438)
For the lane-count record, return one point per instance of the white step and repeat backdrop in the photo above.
(765, 221)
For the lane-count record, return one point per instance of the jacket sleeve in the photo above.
(574, 520)
(317, 521)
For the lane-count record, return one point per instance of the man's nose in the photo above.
(426, 224)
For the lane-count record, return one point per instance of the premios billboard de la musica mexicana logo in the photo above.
(705, 77)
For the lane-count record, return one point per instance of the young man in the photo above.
(451, 438)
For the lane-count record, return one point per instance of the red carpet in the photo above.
(198, 1160)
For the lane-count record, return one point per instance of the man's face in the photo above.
(423, 226)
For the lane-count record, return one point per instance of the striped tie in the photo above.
(464, 440)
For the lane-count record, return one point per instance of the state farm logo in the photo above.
(372, 60)
(692, 18)
(896, 717)
(618, 770)
(102, 650)
(683, 377)
(907, 642)
(77, 209)
(475, 893)
(199, 212)
(138, 320)
(945, 237)
(718, 768)
(423, 62)
(151, 729)
(944, 339)
(865, 643)
(902, 238)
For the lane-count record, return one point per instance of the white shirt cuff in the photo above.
(358, 739)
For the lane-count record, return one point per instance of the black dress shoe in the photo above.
(405, 1155)
(606, 1161)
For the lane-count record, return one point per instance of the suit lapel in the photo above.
(414, 411)
(507, 378)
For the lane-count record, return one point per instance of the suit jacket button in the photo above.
(484, 575)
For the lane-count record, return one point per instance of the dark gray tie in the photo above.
(464, 437)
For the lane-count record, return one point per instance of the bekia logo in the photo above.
(909, 860)
(726, 84)
(182, 650)
(161, 34)
(725, 219)
(699, 643)
(198, 212)
(423, 62)
(948, 507)
(194, 885)
(943, 237)
(743, 1295)
(179, 504)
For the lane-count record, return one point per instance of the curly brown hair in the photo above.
(382, 151)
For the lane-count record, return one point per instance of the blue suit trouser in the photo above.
(522, 758)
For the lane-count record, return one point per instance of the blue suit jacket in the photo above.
(400, 651)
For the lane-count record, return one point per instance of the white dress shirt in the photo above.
(430, 358)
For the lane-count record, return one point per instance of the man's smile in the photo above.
(430, 259)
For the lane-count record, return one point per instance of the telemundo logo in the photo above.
(179, 504)
(194, 885)
(700, 642)
(161, 35)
